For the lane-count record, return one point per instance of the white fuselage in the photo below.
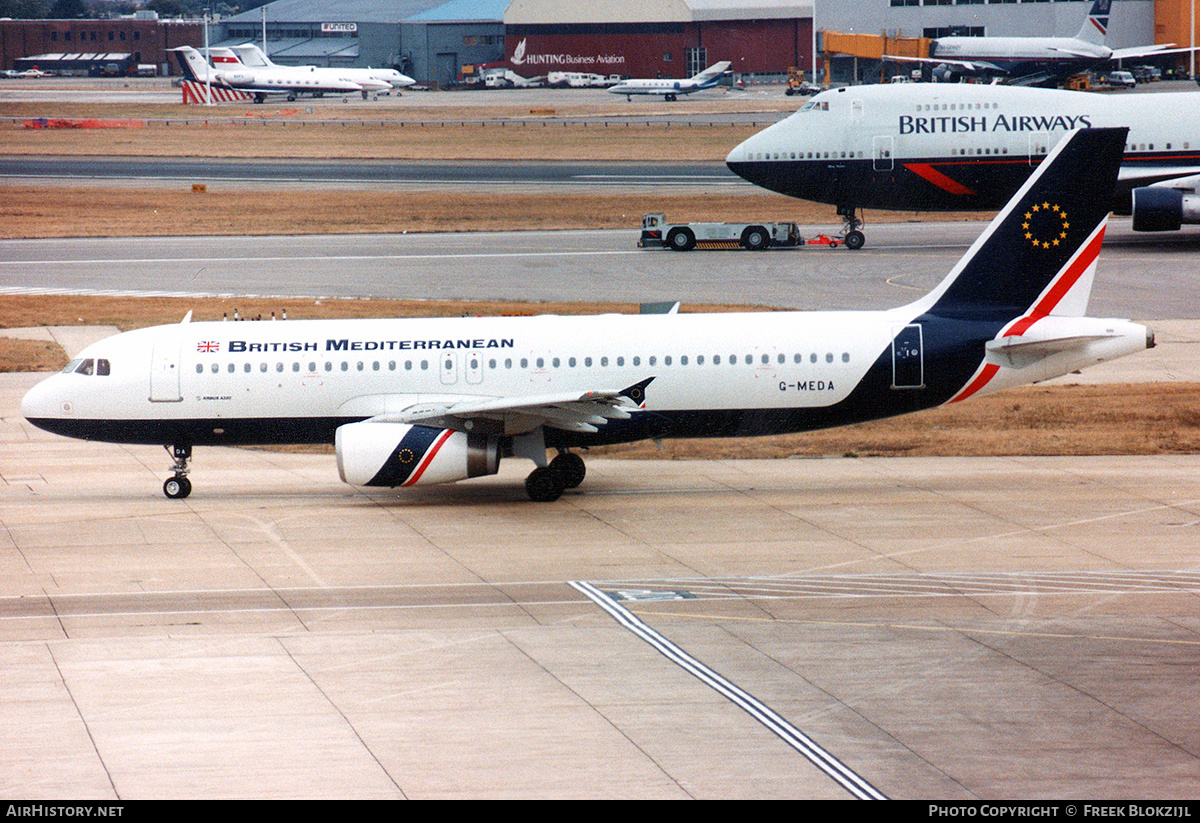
(955, 145)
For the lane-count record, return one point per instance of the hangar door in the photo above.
(447, 68)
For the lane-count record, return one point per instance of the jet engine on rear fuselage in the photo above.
(397, 454)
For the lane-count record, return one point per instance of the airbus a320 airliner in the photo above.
(414, 401)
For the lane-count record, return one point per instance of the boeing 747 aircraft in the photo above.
(416, 401)
(962, 147)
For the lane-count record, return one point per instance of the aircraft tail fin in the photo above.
(192, 64)
(1095, 25)
(252, 55)
(713, 73)
(1038, 256)
(223, 57)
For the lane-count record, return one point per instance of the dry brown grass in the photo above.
(36, 211)
(386, 140)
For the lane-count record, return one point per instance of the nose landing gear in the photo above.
(852, 234)
(177, 486)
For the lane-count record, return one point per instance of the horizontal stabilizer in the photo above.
(1047, 337)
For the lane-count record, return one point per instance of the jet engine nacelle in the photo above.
(1157, 208)
(398, 454)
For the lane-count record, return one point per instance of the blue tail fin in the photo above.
(1042, 246)
(1095, 26)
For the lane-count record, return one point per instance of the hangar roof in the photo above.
(336, 11)
(550, 12)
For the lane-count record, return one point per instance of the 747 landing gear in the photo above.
(546, 484)
(177, 485)
(852, 234)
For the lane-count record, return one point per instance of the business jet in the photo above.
(963, 146)
(371, 80)
(417, 401)
(1033, 59)
(262, 81)
(670, 89)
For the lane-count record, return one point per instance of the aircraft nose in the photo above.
(45, 400)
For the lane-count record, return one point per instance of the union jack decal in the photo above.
(208, 346)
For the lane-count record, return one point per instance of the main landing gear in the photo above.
(852, 234)
(177, 485)
(546, 484)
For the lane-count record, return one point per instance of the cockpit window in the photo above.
(89, 366)
(815, 105)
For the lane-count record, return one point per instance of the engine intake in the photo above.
(1156, 208)
(397, 454)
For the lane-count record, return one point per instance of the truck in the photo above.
(657, 232)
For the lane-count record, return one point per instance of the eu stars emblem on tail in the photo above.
(1045, 225)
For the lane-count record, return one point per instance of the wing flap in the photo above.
(584, 411)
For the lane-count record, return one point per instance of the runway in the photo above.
(1139, 277)
(944, 628)
(31, 170)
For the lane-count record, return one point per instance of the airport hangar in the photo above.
(432, 42)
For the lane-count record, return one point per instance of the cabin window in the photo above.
(232, 368)
(345, 366)
(199, 368)
(604, 362)
(214, 368)
(262, 367)
(620, 361)
(328, 365)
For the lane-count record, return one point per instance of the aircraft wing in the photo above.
(1083, 55)
(975, 66)
(1174, 177)
(1145, 51)
(583, 411)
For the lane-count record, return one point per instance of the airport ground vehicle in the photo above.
(656, 231)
